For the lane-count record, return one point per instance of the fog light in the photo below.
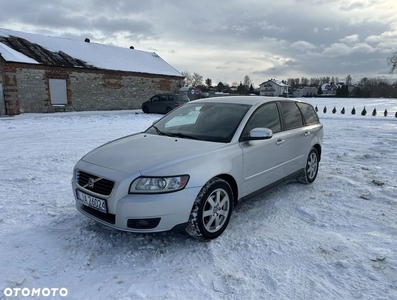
(143, 223)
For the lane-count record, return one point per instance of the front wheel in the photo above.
(311, 169)
(211, 211)
(145, 110)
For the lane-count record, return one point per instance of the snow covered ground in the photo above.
(334, 239)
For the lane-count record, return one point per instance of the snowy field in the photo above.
(334, 239)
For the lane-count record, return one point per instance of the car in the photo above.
(164, 103)
(190, 168)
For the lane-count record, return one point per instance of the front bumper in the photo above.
(161, 212)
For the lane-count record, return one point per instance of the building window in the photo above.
(58, 94)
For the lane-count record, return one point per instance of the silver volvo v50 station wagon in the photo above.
(193, 166)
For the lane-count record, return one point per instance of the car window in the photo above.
(309, 113)
(170, 97)
(163, 97)
(292, 115)
(155, 98)
(266, 116)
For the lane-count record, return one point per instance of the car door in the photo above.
(170, 103)
(163, 104)
(153, 104)
(263, 159)
(294, 137)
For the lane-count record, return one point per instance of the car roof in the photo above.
(169, 94)
(250, 100)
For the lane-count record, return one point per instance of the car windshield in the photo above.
(214, 122)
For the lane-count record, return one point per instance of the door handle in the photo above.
(280, 142)
(308, 133)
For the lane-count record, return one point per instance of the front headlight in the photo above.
(158, 184)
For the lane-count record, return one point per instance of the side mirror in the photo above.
(258, 134)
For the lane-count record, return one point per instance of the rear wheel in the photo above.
(211, 211)
(168, 110)
(311, 169)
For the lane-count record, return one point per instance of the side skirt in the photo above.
(273, 185)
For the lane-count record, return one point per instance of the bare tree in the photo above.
(197, 79)
(188, 78)
(208, 82)
(304, 81)
(348, 80)
(392, 62)
(247, 81)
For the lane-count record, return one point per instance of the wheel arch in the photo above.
(318, 148)
(233, 184)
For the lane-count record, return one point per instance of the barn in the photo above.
(40, 74)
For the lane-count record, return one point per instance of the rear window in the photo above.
(309, 113)
(181, 98)
(292, 115)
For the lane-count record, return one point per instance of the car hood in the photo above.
(142, 152)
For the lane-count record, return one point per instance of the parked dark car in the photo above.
(164, 103)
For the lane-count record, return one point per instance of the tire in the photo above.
(168, 110)
(211, 210)
(145, 110)
(311, 169)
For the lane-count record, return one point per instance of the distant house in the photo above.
(49, 74)
(329, 89)
(273, 88)
(305, 91)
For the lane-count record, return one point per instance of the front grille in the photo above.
(94, 183)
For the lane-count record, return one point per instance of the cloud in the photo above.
(226, 41)
(303, 46)
(350, 39)
(337, 49)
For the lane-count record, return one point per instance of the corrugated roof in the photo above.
(31, 48)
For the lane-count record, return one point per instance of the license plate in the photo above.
(93, 202)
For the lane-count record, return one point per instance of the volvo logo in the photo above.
(91, 182)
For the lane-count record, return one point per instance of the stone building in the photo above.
(41, 74)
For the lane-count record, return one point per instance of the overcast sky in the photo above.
(226, 40)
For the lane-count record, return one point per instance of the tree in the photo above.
(242, 89)
(348, 80)
(197, 79)
(320, 90)
(220, 87)
(188, 78)
(392, 62)
(345, 91)
(247, 81)
(208, 82)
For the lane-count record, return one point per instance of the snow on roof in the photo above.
(11, 55)
(276, 82)
(97, 55)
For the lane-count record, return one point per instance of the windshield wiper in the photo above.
(159, 132)
(184, 136)
(180, 135)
